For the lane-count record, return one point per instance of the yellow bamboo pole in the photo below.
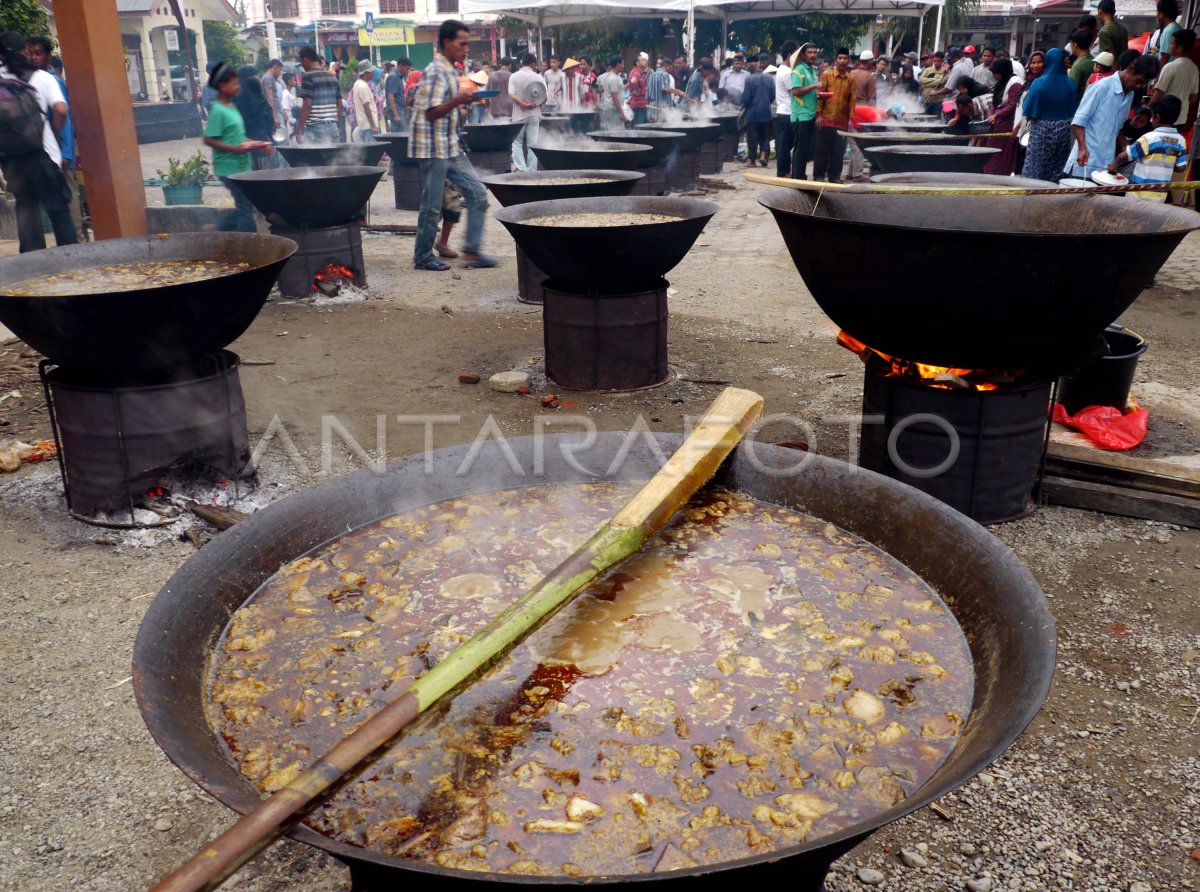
(718, 432)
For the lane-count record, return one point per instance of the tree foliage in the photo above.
(26, 16)
(222, 42)
(827, 31)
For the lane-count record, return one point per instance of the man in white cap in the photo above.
(366, 121)
(638, 90)
(865, 90)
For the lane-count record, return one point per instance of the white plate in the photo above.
(1104, 178)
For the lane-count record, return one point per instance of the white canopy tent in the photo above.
(548, 13)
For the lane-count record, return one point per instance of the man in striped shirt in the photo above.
(434, 141)
(321, 112)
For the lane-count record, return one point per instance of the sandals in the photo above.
(446, 252)
(432, 265)
(481, 261)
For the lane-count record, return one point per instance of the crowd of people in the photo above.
(1093, 105)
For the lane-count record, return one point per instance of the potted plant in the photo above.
(183, 182)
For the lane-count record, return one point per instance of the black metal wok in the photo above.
(907, 138)
(1044, 322)
(362, 154)
(559, 125)
(1002, 612)
(522, 188)
(939, 159)
(927, 178)
(694, 132)
(495, 136)
(303, 197)
(618, 156)
(397, 148)
(153, 327)
(727, 120)
(664, 142)
(907, 124)
(608, 258)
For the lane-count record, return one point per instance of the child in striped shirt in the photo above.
(1160, 153)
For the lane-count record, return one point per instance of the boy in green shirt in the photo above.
(804, 108)
(225, 134)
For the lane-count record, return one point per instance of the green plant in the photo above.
(191, 171)
(27, 17)
(222, 42)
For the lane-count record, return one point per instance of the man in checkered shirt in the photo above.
(434, 141)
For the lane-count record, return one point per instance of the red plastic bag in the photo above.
(1107, 426)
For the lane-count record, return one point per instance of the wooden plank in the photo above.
(1108, 499)
(90, 35)
(1119, 469)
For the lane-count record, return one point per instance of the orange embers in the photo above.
(932, 375)
(333, 274)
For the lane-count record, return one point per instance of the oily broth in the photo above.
(754, 679)
(117, 277)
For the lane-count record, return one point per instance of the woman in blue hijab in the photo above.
(1049, 106)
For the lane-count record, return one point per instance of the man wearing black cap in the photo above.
(29, 152)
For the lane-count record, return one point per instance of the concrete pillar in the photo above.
(201, 56)
(149, 74)
(162, 64)
(90, 36)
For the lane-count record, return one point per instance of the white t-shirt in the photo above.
(49, 95)
(517, 85)
(364, 105)
(783, 91)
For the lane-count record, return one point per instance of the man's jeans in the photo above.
(611, 119)
(36, 182)
(783, 145)
(434, 172)
(523, 159)
(363, 134)
(640, 116)
(804, 137)
(322, 132)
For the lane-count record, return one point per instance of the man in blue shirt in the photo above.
(1104, 108)
(758, 98)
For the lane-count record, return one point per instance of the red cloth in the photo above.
(1107, 426)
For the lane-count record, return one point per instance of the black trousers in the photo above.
(783, 145)
(758, 140)
(36, 182)
(803, 141)
(831, 151)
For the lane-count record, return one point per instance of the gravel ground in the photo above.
(1101, 793)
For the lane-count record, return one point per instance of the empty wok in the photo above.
(303, 197)
(939, 159)
(359, 153)
(664, 142)
(694, 132)
(906, 123)
(540, 185)
(491, 136)
(907, 138)
(148, 328)
(1044, 323)
(927, 178)
(608, 258)
(585, 153)
(1002, 612)
(397, 148)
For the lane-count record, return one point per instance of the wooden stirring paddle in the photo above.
(714, 437)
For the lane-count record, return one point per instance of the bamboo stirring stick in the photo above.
(934, 189)
(718, 432)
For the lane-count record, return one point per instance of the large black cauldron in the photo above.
(663, 142)
(1000, 607)
(306, 197)
(540, 185)
(937, 159)
(152, 327)
(589, 153)
(491, 136)
(366, 154)
(608, 258)
(1045, 322)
